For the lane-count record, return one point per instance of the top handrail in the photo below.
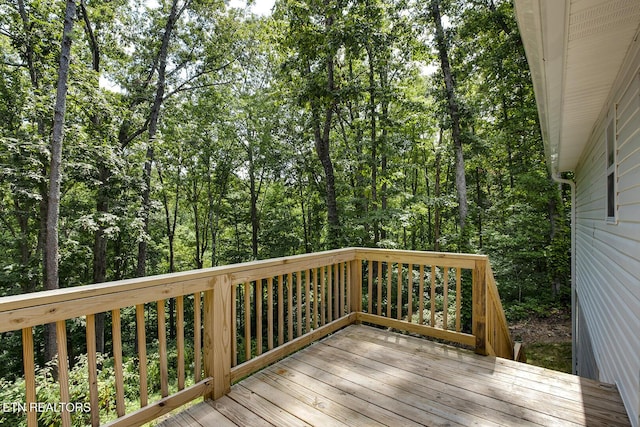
(13, 302)
(37, 308)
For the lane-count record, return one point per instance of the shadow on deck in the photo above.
(366, 376)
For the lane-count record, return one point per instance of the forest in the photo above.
(146, 137)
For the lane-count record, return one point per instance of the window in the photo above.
(610, 141)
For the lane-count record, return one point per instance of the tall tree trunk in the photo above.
(254, 192)
(153, 128)
(102, 196)
(170, 216)
(374, 144)
(414, 193)
(427, 185)
(21, 215)
(171, 221)
(214, 223)
(100, 250)
(384, 121)
(321, 133)
(454, 112)
(199, 228)
(53, 201)
(358, 179)
(505, 118)
(437, 191)
(303, 208)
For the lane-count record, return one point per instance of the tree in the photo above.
(313, 36)
(55, 170)
(160, 63)
(454, 114)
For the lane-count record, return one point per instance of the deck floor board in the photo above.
(366, 376)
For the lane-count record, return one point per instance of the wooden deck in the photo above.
(362, 376)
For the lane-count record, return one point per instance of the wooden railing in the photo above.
(241, 318)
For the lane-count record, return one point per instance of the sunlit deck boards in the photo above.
(365, 376)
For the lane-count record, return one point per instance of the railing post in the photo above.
(217, 336)
(479, 310)
(355, 285)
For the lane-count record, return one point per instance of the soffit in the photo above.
(575, 50)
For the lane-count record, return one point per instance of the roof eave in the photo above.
(543, 27)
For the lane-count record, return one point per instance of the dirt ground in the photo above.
(555, 328)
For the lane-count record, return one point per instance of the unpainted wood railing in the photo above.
(247, 316)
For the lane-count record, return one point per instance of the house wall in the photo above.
(587, 365)
(608, 254)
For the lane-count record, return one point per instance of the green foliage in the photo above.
(236, 174)
(48, 390)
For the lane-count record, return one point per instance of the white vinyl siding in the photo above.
(608, 257)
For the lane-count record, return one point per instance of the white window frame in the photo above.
(611, 167)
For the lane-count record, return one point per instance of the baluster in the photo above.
(445, 299)
(270, 313)
(379, 302)
(116, 331)
(399, 293)
(92, 367)
(162, 348)
(289, 306)
(421, 295)
(409, 292)
(63, 370)
(299, 302)
(142, 354)
(458, 297)
(197, 338)
(389, 289)
(258, 285)
(247, 321)
(329, 294)
(30, 378)
(336, 291)
(343, 284)
(369, 287)
(349, 286)
(280, 311)
(180, 339)
(234, 325)
(315, 298)
(307, 300)
(322, 295)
